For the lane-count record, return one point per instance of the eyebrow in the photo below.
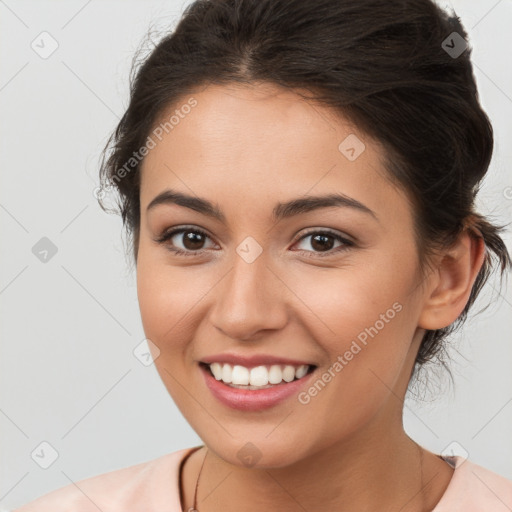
(281, 210)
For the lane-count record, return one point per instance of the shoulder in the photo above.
(474, 488)
(148, 486)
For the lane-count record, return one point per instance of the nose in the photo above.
(250, 300)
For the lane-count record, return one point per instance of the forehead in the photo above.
(260, 141)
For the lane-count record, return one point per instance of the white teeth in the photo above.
(257, 377)
(301, 371)
(275, 375)
(216, 369)
(240, 375)
(227, 371)
(289, 373)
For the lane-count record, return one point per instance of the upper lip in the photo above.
(252, 360)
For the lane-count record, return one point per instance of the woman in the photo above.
(299, 182)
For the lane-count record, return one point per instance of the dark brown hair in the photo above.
(386, 66)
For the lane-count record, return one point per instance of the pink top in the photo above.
(153, 486)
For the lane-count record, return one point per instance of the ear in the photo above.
(452, 281)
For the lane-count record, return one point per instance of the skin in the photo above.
(246, 148)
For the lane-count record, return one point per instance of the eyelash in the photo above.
(310, 254)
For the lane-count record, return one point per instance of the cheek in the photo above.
(364, 317)
(172, 301)
(169, 301)
(357, 301)
(165, 295)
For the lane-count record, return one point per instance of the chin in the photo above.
(256, 453)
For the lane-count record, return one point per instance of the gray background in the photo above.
(68, 374)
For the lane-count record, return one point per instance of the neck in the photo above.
(368, 472)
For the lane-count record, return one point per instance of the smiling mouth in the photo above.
(260, 377)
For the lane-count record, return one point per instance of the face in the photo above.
(335, 285)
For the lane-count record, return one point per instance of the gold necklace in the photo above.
(194, 508)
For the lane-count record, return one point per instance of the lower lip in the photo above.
(256, 399)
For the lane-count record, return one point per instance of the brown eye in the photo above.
(323, 243)
(192, 241)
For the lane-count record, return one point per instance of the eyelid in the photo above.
(166, 234)
(319, 230)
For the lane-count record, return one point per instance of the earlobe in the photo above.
(454, 277)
